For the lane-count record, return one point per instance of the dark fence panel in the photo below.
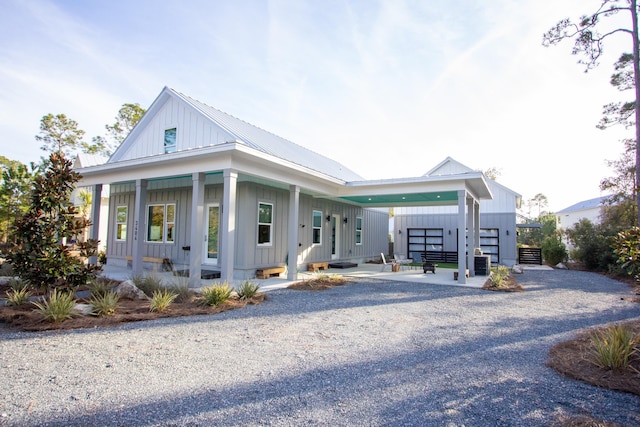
(530, 256)
(435, 256)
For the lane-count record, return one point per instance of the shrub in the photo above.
(181, 288)
(614, 346)
(499, 275)
(148, 284)
(161, 299)
(101, 286)
(248, 290)
(593, 245)
(625, 247)
(58, 307)
(40, 257)
(6, 269)
(18, 296)
(105, 304)
(216, 294)
(553, 250)
(17, 284)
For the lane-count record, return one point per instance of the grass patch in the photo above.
(148, 284)
(614, 346)
(248, 290)
(161, 299)
(105, 304)
(216, 294)
(58, 307)
(17, 297)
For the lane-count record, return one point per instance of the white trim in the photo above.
(270, 242)
(313, 227)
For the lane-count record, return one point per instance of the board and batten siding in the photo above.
(192, 131)
(449, 223)
(248, 254)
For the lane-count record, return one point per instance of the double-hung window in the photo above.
(317, 227)
(121, 223)
(170, 140)
(161, 223)
(265, 224)
(358, 230)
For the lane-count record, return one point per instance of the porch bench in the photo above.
(315, 266)
(265, 273)
(167, 265)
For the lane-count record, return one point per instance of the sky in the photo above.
(387, 88)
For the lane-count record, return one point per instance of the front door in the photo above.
(335, 236)
(211, 223)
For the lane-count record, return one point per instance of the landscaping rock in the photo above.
(4, 280)
(129, 290)
(561, 266)
(517, 269)
(83, 309)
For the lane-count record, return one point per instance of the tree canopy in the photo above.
(588, 37)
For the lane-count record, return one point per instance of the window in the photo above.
(317, 227)
(358, 230)
(161, 221)
(121, 223)
(265, 222)
(170, 140)
(422, 240)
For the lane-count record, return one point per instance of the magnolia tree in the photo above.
(44, 255)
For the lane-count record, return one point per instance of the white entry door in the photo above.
(211, 226)
(335, 236)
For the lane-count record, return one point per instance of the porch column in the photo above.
(462, 259)
(471, 225)
(228, 236)
(139, 226)
(197, 234)
(96, 197)
(294, 220)
(476, 221)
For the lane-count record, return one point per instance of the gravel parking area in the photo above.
(368, 353)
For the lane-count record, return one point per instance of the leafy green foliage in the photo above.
(614, 346)
(592, 245)
(148, 284)
(42, 258)
(553, 250)
(15, 187)
(58, 307)
(18, 296)
(105, 304)
(535, 236)
(248, 290)
(216, 294)
(128, 116)
(161, 299)
(499, 275)
(59, 134)
(626, 246)
(101, 285)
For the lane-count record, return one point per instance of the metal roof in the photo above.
(585, 204)
(262, 140)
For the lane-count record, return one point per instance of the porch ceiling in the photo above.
(405, 199)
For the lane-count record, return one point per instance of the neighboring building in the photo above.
(435, 228)
(587, 209)
(207, 190)
(84, 160)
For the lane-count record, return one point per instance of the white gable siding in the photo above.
(192, 131)
(450, 168)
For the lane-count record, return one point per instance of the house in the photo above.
(83, 160)
(436, 229)
(587, 209)
(206, 190)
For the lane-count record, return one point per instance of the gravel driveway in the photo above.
(368, 353)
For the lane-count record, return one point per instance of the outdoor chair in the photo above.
(385, 263)
(401, 260)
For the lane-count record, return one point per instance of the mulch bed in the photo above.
(574, 359)
(510, 285)
(25, 318)
(318, 284)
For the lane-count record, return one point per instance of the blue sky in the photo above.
(388, 88)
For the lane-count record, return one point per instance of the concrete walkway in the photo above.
(443, 276)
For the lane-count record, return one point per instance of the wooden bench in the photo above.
(265, 273)
(315, 266)
(167, 265)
